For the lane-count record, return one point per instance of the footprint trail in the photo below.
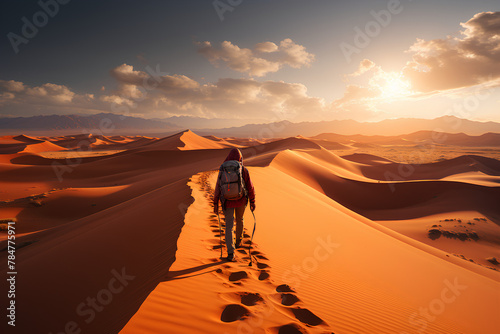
(252, 297)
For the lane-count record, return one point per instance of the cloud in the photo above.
(139, 93)
(264, 58)
(456, 62)
(171, 84)
(227, 97)
(11, 86)
(358, 94)
(364, 66)
(48, 94)
(442, 69)
(266, 47)
(295, 55)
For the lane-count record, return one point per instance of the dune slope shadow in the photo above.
(109, 257)
(393, 200)
(407, 200)
(113, 258)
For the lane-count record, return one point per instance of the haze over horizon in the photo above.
(260, 61)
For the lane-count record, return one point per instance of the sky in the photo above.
(259, 60)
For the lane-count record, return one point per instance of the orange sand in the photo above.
(365, 244)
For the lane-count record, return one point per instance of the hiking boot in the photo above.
(230, 257)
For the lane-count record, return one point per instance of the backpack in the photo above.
(232, 185)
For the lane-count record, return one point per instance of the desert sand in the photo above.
(115, 234)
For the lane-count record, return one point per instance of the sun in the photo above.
(396, 87)
(392, 85)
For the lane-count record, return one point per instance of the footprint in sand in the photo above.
(285, 299)
(251, 299)
(261, 265)
(284, 288)
(263, 275)
(239, 275)
(289, 299)
(213, 241)
(307, 317)
(242, 297)
(290, 329)
(233, 312)
(231, 277)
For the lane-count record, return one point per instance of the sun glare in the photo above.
(391, 85)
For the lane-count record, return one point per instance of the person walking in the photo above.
(234, 190)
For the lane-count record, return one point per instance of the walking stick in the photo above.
(220, 234)
(250, 245)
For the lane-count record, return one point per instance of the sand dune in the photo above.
(420, 138)
(186, 140)
(27, 139)
(247, 141)
(366, 159)
(72, 142)
(330, 145)
(346, 244)
(22, 143)
(98, 142)
(42, 147)
(380, 200)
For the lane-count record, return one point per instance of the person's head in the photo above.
(235, 154)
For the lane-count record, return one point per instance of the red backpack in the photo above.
(232, 185)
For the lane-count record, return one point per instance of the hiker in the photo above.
(234, 189)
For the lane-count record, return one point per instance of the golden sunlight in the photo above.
(392, 85)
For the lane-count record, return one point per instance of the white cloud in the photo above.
(167, 95)
(295, 55)
(45, 94)
(264, 58)
(266, 47)
(364, 66)
(358, 94)
(456, 62)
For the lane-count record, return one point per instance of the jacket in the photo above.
(235, 154)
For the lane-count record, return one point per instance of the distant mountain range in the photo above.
(389, 127)
(416, 138)
(98, 123)
(192, 122)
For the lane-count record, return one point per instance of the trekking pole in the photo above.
(251, 239)
(220, 234)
